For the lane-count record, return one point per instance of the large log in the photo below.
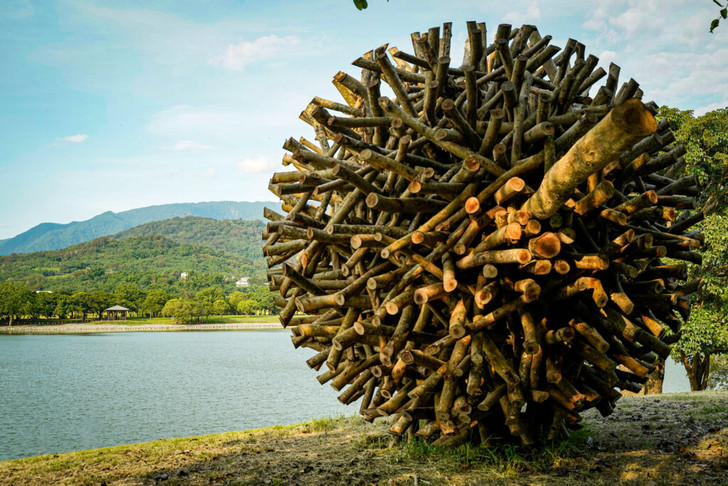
(623, 126)
(481, 255)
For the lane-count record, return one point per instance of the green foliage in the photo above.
(129, 296)
(722, 14)
(146, 262)
(220, 307)
(718, 379)
(246, 307)
(42, 304)
(361, 4)
(205, 300)
(234, 298)
(51, 236)
(154, 302)
(15, 299)
(181, 310)
(236, 237)
(706, 331)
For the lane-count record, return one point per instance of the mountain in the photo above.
(52, 236)
(147, 261)
(234, 236)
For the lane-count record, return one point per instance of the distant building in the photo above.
(116, 313)
(183, 275)
(242, 282)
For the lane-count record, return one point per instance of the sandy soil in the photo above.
(662, 439)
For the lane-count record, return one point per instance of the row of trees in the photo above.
(213, 301)
(18, 301)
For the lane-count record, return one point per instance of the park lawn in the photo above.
(658, 439)
(230, 319)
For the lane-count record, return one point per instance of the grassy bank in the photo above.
(210, 320)
(139, 321)
(662, 439)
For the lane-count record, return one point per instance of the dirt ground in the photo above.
(661, 439)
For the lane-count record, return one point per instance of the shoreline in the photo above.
(109, 328)
(672, 439)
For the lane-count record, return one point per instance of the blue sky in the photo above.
(113, 105)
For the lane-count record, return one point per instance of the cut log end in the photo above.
(482, 254)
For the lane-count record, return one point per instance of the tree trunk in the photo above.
(655, 379)
(698, 369)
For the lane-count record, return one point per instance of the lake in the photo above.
(69, 392)
(60, 393)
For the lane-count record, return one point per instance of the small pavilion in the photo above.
(116, 313)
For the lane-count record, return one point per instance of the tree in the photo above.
(129, 295)
(43, 304)
(66, 305)
(181, 310)
(154, 302)
(81, 303)
(220, 307)
(14, 299)
(234, 298)
(705, 333)
(718, 373)
(262, 297)
(247, 307)
(98, 300)
(206, 298)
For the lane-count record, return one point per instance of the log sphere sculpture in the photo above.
(482, 251)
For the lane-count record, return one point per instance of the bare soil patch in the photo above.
(660, 439)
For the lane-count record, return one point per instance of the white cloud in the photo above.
(690, 74)
(531, 14)
(192, 146)
(209, 173)
(252, 165)
(239, 55)
(607, 57)
(81, 137)
(702, 110)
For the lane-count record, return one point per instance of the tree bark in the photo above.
(698, 369)
(619, 130)
(655, 379)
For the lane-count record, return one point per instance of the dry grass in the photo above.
(667, 439)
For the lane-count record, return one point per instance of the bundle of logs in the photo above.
(483, 251)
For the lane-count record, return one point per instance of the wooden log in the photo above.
(436, 284)
(622, 127)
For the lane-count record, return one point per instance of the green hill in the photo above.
(233, 236)
(53, 236)
(147, 261)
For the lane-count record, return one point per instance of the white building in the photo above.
(243, 282)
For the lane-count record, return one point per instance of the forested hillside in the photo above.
(52, 236)
(146, 261)
(233, 236)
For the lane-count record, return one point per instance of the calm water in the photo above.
(71, 392)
